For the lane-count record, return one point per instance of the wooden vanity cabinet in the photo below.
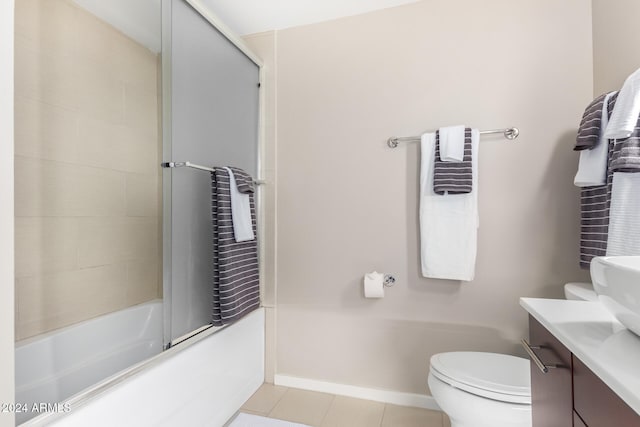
(596, 403)
(569, 394)
(551, 392)
(577, 421)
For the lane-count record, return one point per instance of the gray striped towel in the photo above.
(589, 130)
(594, 210)
(453, 177)
(236, 286)
(626, 153)
(244, 181)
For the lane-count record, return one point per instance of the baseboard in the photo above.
(378, 395)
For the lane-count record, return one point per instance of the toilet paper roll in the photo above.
(374, 285)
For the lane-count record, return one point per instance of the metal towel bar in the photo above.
(509, 133)
(199, 167)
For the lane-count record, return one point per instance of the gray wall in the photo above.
(347, 204)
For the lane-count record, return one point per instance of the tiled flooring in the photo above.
(326, 410)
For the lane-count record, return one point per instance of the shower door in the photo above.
(211, 118)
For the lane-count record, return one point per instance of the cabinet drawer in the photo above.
(551, 396)
(577, 421)
(596, 403)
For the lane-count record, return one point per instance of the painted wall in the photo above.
(87, 177)
(347, 204)
(615, 43)
(7, 378)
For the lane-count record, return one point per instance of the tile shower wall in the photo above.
(87, 200)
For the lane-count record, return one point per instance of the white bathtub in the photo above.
(52, 367)
(201, 382)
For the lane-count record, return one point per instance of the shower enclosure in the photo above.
(113, 252)
(212, 96)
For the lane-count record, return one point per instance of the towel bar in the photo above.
(199, 167)
(509, 133)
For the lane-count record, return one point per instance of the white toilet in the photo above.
(488, 389)
(482, 389)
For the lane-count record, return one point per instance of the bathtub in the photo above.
(52, 367)
(201, 382)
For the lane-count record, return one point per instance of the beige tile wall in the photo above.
(86, 168)
(347, 204)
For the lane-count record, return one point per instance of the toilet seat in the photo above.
(495, 376)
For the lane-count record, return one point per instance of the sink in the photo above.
(616, 280)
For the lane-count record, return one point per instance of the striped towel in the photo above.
(453, 177)
(589, 130)
(626, 153)
(244, 181)
(624, 222)
(236, 286)
(594, 210)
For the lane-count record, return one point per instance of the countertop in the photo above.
(590, 332)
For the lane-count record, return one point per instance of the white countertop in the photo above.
(596, 338)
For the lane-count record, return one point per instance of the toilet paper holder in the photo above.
(388, 281)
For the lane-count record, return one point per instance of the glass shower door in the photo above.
(211, 117)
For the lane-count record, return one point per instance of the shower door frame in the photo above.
(167, 145)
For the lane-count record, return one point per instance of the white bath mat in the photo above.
(248, 420)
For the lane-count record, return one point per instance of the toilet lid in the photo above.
(496, 376)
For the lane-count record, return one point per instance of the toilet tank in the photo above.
(580, 291)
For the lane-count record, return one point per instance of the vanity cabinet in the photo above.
(551, 392)
(577, 421)
(569, 394)
(595, 403)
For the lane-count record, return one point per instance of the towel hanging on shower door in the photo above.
(236, 286)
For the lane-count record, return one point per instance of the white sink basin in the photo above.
(616, 280)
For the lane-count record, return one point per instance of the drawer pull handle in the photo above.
(534, 358)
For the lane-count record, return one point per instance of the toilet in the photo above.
(488, 389)
(482, 389)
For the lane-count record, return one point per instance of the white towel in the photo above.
(624, 221)
(592, 167)
(452, 143)
(625, 113)
(448, 224)
(240, 211)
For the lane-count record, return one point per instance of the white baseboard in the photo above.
(386, 396)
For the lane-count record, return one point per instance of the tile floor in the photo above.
(326, 410)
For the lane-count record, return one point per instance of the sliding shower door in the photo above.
(211, 117)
